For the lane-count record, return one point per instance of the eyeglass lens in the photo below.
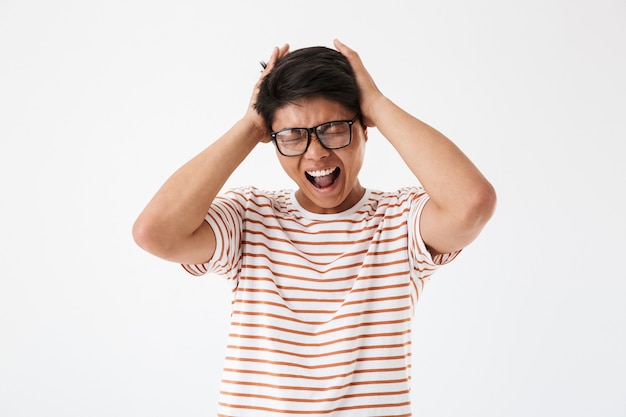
(332, 135)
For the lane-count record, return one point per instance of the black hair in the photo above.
(315, 71)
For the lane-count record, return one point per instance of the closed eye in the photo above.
(289, 135)
(333, 128)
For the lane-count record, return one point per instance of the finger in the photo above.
(343, 48)
(351, 55)
(284, 50)
(267, 66)
(277, 53)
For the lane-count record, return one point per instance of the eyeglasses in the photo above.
(331, 135)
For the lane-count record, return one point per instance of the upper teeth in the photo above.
(321, 172)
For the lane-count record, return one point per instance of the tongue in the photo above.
(324, 181)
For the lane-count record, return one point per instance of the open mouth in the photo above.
(323, 178)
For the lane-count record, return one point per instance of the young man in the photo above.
(324, 278)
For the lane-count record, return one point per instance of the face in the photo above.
(327, 179)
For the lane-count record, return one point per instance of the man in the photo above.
(324, 278)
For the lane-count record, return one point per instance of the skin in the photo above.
(346, 191)
(461, 201)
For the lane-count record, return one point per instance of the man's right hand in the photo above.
(251, 114)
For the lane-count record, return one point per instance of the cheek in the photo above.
(357, 157)
(289, 165)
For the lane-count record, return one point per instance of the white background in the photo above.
(100, 101)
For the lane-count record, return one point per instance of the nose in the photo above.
(316, 150)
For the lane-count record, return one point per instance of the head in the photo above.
(308, 72)
(306, 88)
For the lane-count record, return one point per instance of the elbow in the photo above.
(141, 234)
(481, 206)
(165, 241)
(146, 236)
(457, 226)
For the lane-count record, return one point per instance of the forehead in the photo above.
(308, 112)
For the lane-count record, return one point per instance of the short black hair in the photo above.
(315, 71)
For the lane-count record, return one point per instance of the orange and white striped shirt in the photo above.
(322, 303)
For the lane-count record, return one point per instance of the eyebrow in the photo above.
(354, 119)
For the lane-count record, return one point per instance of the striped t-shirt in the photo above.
(321, 303)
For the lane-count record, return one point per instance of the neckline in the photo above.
(331, 216)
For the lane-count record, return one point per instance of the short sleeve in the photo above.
(423, 264)
(225, 217)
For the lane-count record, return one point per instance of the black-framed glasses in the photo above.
(295, 141)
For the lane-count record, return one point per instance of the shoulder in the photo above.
(402, 197)
(253, 198)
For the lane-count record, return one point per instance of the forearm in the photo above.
(461, 199)
(440, 166)
(179, 207)
(172, 225)
(448, 176)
